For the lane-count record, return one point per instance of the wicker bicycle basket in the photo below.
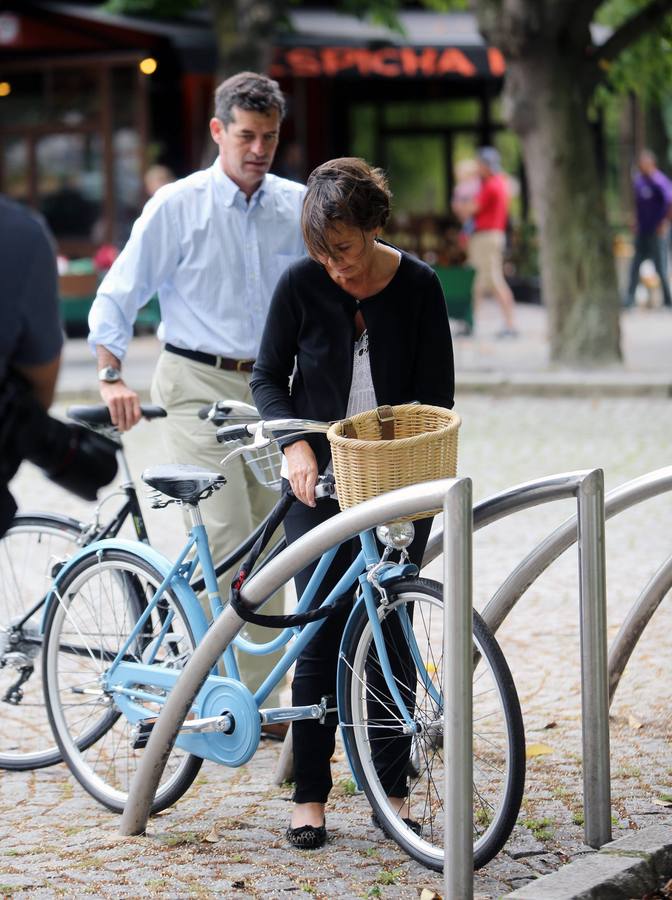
(391, 447)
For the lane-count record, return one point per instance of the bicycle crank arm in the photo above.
(212, 725)
(317, 711)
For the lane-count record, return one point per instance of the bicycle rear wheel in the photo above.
(388, 763)
(29, 551)
(99, 604)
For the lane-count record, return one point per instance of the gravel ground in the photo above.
(225, 837)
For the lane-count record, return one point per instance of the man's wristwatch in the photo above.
(109, 375)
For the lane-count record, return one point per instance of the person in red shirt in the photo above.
(486, 246)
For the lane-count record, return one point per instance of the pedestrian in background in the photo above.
(465, 192)
(212, 246)
(486, 244)
(653, 207)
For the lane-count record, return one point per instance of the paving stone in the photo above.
(38, 810)
(523, 845)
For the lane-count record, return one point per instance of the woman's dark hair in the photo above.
(348, 191)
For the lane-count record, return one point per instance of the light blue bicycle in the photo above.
(122, 621)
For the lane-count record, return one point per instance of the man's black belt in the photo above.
(219, 362)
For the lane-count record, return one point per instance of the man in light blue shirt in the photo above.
(212, 246)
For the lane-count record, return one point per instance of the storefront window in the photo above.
(72, 95)
(69, 179)
(442, 113)
(363, 125)
(25, 104)
(127, 181)
(417, 172)
(124, 96)
(15, 163)
(127, 151)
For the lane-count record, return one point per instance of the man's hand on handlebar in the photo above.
(123, 404)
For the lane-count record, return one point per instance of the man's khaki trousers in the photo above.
(182, 387)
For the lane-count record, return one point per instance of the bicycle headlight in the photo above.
(396, 535)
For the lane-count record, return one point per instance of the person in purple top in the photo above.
(653, 202)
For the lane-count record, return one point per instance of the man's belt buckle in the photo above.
(241, 363)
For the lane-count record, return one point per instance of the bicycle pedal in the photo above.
(141, 732)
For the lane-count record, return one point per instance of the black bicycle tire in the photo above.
(162, 800)
(516, 774)
(62, 525)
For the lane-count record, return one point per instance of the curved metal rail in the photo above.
(554, 545)
(588, 489)
(635, 622)
(585, 486)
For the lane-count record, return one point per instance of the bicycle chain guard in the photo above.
(218, 696)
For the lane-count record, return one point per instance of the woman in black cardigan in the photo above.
(357, 324)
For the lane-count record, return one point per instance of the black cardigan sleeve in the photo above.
(275, 361)
(434, 369)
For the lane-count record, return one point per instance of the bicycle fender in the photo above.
(396, 571)
(184, 593)
(68, 521)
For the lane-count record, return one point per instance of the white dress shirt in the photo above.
(212, 258)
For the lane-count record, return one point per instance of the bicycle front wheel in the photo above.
(29, 552)
(390, 764)
(99, 604)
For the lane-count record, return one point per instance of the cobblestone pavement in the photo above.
(225, 837)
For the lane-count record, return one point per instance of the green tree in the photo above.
(554, 72)
(554, 68)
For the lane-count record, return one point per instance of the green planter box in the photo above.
(457, 283)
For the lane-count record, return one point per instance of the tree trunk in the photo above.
(546, 105)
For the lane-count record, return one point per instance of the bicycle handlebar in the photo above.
(264, 432)
(97, 416)
(232, 433)
(222, 411)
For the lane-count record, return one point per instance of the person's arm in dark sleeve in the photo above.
(270, 384)
(37, 355)
(434, 376)
(275, 360)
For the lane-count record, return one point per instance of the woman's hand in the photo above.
(302, 471)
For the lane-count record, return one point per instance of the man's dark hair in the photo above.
(348, 191)
(250, 91)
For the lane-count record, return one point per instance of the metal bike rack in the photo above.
(588, 489)
(454, 496)
(458, 839)
(636, 621)
(554, 545)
